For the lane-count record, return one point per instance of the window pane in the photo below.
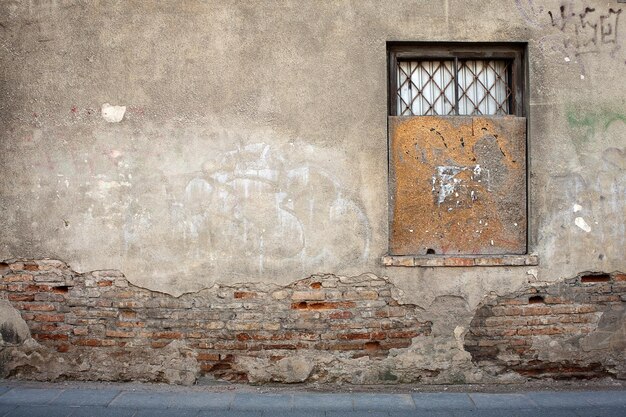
(425, 88)
(483, 87)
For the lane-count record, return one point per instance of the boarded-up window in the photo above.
(457, 144)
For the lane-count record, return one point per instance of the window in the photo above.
(457, 151)
(468, 87)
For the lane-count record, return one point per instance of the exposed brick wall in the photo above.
(76, 314)
(576, 328)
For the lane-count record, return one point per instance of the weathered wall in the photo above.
(252, 153)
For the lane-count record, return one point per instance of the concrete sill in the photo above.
(460, 260)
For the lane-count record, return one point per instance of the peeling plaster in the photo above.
(582, 224)
(113, 114)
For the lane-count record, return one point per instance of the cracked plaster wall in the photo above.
(253, 149)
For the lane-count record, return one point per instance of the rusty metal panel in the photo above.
(457, 185)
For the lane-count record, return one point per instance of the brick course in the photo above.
(72, 313)
(551, 330)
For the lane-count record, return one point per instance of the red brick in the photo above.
(344, 346)
(50, 297)
(21, 297)
(564, 309)
(206, 367)
(48, 336)
(126, 304)
(507, 311)
(542, 320)
(555, 300)
(246, 295)
(340, 315)
(80, 331)
(93, 342)
(547, 331)
(536, 311)
(105, 283)
(167, 335)
(458, 261)
(127, 314)
(130, 324)
(360, 295)
(54, 327)
(308, 295)
(284, 346)
(397, 312)
(233, 325)
(577, 318)
(514, 301)
(118, 333)
(50, 317)
(18, 278)
(353, 336)
(586, 309)
(230, 346)
(322, 305)
(378, 335)
(119, 294)
(402, 335)
(16, 288)
(372, 346)
(104, 303)
(37, 307)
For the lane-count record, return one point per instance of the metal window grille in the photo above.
(453, 87)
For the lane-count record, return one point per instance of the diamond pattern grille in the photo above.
(437, 88)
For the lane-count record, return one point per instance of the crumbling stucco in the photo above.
(574, 328)
(324, 328)
(252, 152)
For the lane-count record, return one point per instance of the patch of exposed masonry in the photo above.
(58, 324)
(98, 326)
(570, 329)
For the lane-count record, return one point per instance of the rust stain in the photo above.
(458, 185)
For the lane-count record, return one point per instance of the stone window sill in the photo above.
(460, 260)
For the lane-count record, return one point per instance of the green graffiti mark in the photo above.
(591, 122)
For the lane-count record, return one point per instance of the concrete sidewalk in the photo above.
(57, 400)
